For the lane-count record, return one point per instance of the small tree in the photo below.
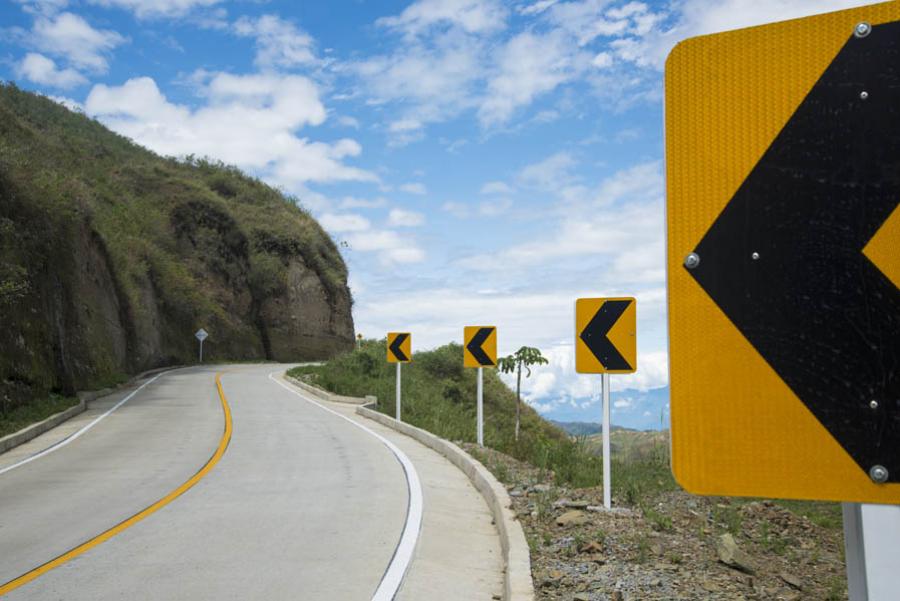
(524, 357)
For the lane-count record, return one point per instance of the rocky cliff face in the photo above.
(112, 257)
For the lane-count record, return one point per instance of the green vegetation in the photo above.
(152, 248)
(21, 417)
(524, 357)
(439, 396)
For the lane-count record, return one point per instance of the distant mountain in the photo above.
(111, 257)
(586, 428)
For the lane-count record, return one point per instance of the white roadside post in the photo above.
(607, 476)
(201, 335)
(871, 533)
(398, 391)
(480, 409)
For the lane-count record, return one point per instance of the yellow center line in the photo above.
(105, 536)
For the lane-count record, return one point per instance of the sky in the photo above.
(479, 162)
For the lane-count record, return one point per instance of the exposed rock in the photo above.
(731, 555)
(575, 504)
(574, 517)
(791, 579)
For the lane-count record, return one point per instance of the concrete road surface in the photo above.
(303, 504)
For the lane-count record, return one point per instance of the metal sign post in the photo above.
(398, 391)
(201, 335)
(480, 410)
(607, 476)
(871, 533)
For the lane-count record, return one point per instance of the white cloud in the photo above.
(403, 218)
(559, 381)
(348, 121)
(529, 65)
(602, 60)
(249, 121)
(69, 36)
(42, 70)
(457, 209)
(279, 43)
(494, 207)
(351, 202)
(69, 103)
(414, 188)
(432, 82)
(536, 7)
(539, 319)
(472, 16)
(43, 7)
(552, 173)
(156, 8)
(619, 221)
(390, 246)
(347, 222)
(496, 187)
(652, 42)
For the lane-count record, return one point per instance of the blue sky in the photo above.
(481, 162)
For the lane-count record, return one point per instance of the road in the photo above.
(268, 495)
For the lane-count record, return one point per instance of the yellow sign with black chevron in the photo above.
(783, 262)
(399, 347)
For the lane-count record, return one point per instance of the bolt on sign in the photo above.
(605, 335)
(783, 150)
(399, 347)
(479, 346)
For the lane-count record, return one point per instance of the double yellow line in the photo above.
(105, 536)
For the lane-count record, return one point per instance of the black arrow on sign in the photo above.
(595, 334)
(784, 259)
(395, 347)
(475, 343)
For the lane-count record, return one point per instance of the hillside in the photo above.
(111, 257)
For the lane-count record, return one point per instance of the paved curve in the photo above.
(302, 505)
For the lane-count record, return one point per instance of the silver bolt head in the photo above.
(873, 404)
(692, 260)
(755, 256)
(878, 474)
(863, 95)
(862, 29)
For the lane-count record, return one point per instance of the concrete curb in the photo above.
(327, 396)
(517, 584)
(11, 441)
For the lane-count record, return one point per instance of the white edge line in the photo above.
(393, 576)
(58, 445)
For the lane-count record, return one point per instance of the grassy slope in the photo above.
(439, 396)
(67, 163)
(24, 416)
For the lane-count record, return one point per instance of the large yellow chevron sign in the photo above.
(783, 147)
